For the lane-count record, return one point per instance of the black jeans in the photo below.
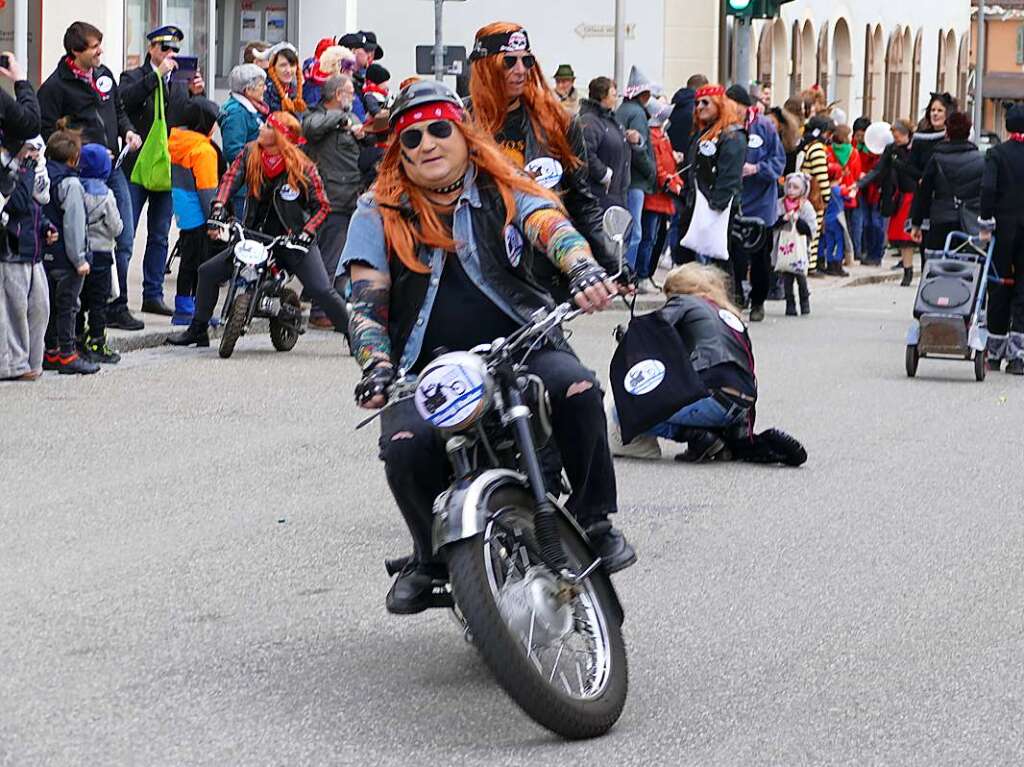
(308, 267)
(417, 468)
(65, 288)
(331, 238)
(1006, 303)
(194, 246)
(94, 297)
(761, 272)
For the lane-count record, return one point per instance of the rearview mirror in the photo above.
(616, 223)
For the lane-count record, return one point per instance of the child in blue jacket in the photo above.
(832, 246)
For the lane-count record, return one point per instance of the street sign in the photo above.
(454, 59)
(585, 30)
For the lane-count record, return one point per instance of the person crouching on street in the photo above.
(67, 258)
(24, 296)
(196, 166)
(285, 197)
(105, 225)
(719, 425)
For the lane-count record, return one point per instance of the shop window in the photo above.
(140, 16)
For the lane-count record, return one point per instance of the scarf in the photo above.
(273, 164)
(792, 204)
(87, 77)
(843, 152)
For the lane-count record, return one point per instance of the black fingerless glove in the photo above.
(626, 277)
(585, 274)
(375, 381)
(218, 213)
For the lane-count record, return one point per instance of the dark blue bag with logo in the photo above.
(651, 375)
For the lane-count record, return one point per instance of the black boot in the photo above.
(611, 545)
(195, 333)
(805, 304)
(757, 313)
(413, 589)
(702, 446)
(908, 276)
(791, 307)
(1015, 367)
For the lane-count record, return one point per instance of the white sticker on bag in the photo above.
(644, 377)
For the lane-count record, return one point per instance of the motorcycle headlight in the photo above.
(454, 391)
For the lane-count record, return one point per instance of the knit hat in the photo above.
(271, 52)
(804, 180)
(564, 72)
(200, 115)
(1015, 119)
(375, 73)
(740, 95)
(638, 83)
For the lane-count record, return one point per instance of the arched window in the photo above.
(822, 70)
(915, 73)
(842, 68)
(874, 71)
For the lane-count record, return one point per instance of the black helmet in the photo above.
(423, 92)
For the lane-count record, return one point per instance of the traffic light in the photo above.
(754, 9)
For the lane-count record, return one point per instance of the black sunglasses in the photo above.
(169, 48)
(704, 102)
(411, 137)
(510, 61)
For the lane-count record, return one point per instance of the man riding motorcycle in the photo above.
(439, 255)
(511, 100)
(285, 197)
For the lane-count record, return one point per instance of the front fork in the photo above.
(545, 519)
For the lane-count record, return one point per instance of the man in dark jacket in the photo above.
(333, 135)
(19, 114)
(607, 150)
(633, 117)
(681, 120)
(138, 89)
(83, 90)
(1002, 189)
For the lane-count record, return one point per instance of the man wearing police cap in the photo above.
(138, 89)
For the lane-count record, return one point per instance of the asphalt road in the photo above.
(190, 571)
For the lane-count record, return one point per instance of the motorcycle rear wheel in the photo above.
(236, 323)
(576, 694)
(281, 336)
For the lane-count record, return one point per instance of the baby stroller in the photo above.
(949, 319)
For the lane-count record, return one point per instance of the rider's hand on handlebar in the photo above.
(591, 287)
(371, 392)
(302, 240)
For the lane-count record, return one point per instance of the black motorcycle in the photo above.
(258, 289)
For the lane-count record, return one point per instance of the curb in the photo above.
(137, 340)
(873, 279)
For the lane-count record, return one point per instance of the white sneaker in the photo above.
(641, 447)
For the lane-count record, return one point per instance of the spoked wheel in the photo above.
(912, 358)
(980, 366)
(282, 336)
(557, 652)
(236, 324)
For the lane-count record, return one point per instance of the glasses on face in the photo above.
(510, 61)
(169, 49)
(411, 137)
(704, 102)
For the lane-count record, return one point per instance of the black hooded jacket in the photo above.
(1002, 184)
(680, 122)
(951, 180)
(98, 112)
(606, 148)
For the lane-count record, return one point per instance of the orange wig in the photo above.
(396, 195)
(548, 117)
(729, 114)
(296, 162)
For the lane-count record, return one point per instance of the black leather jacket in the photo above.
(1002, 185)
(951, 180)
(709, 332)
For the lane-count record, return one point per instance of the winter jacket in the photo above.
(834, 209)
(1002, 183)
(709, 334)
(335, 151)
(607, 150)
(138, 93)
(273, 98)
(22, 238)
(97, 109)
(895, 175)
(951, 181)
(871, 192)
(642, 174)
(297, 209)
(19, 114)
(571, 103)
(680, 122)
(66, 209)
(806, 223)
(716, 168)
(852, 170)
(193, 177)
(101, 214)
(239, 123)
(921, 148)
(669, 185)
(765, 150)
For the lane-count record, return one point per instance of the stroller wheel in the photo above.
(980, 365)
(912, 358)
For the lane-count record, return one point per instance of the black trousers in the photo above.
(760, 272)
(194, 247)
(65, 288)
(331, 237)
(417, 467)
(95, 296)
(1005, 303)
(308, 267)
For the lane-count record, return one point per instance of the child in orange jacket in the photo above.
(659, 207)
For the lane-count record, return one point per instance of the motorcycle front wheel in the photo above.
(561, 657)
(236, 323)
(281, 336)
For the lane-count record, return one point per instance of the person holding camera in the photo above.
(159, 76)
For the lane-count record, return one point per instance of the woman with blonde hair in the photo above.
(719, 426)
(284, 196)
(512, 101)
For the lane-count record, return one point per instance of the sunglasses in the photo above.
(511, 61)
(411, 137)
(169, 49)
(704, 102)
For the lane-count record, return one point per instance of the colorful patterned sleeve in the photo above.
(368, 323)
(549, 230)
